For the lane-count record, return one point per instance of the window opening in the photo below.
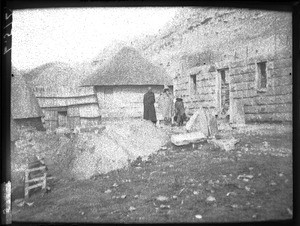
(262, 75)
(193, 84)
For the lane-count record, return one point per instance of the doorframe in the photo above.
(219, 89)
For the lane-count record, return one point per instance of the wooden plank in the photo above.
(36, 169)
(89, 111)
(36, 179)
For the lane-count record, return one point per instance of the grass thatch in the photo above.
(128, 67)
(23, 102)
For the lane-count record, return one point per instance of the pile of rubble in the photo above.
(115, 146)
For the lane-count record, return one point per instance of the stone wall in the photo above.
(241, 58)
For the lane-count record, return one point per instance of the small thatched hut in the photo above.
(25, 110)
(64, 104)
(121, 83)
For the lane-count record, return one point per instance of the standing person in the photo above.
(149, 109)
(165, 105)
(179, 111)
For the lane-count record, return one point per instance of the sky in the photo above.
(72, 35)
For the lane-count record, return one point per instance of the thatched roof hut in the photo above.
(121, 82)
(23, 101)
(25, 109)
(128, 67)
(63, 102)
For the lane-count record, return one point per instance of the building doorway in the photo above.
(62, 118)
(223, 94)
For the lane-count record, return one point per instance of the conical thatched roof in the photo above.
(23, 102)
(58, 75)
(14, 133)
(128, 67)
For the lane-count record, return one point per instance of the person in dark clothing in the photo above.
(149, 109)
(180, 116)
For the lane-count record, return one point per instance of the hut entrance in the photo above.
(223, 94)
(62, 119)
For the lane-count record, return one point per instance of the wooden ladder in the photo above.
(42, 180)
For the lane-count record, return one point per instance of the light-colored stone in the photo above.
(198, 122)
(187, 138)
(224, 144)
(238, 113)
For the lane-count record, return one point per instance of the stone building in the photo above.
(249, 64)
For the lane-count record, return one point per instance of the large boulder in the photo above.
(198, 122)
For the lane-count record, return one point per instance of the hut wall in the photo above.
(30, 122)
(123, 101)
(68, 107)
(272, 102)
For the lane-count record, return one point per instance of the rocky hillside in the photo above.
(192, 30)
(199, 29)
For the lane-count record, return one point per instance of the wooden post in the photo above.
(26, 184)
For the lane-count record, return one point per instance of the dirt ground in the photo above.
(194, 183)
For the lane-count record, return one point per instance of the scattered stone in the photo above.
(281, 174)
(107, 191)
(289, 211)
(187, 138)
(245, 179)
(20, 204)
(224, 144)
(251, 168)
(286, 181)
(175, 197)
(211, 199)
(198, 216)
(29, 203)
(164, 206)
(254, 216)
(231, 193)
(136, 196)
(131, 208)
(234, 206)
(163, 148)
(196, 192)
(272, 183)
(162, 198)
(123, 196)
(245, 176)
(82, 213)
(247, 188)
(115, 185)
